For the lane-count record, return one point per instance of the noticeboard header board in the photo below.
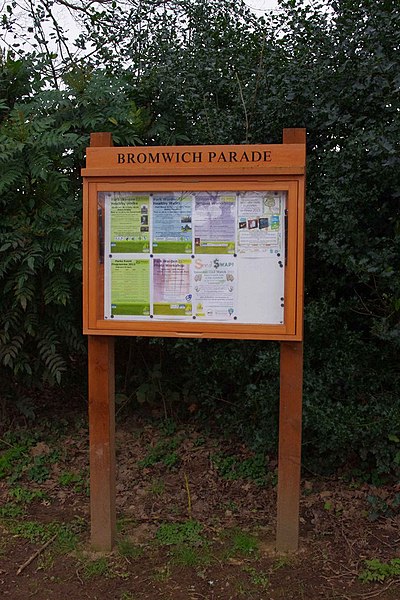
(194, 241)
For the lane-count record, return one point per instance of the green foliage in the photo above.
(258, 578)
(243, 543)
(212, 72)
(253, 468)
(35, 532)
(74, 480)
(128, 549)
(386, 507)
(375, 570)
(96, 568)
(189, 556)
(334, 72)
(164, 452)
(162, 574)
(42, 143)
(25, 496)
(188, 532)
(11, 511)
(19, 461)
(157, 487)
(10, 458)
(127, 596)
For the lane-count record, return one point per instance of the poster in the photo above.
(260, 218)
(172, 223)
(172, 294)
(214, 287)
(210, 256)
(130, 287)
(214, 222)
(129, 222)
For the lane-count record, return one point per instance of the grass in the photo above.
(157, 487)
(188, 532)
(175, 547)
(163, 452)
(125, 524)
(17, 461)
(39, 533)
(10, 458)
(33, 531)
(128, 549)
(189, 556)
(253, 468)
(72, 479)
(11, 511)
(127, 596)
(162, 574)
(282, 562)
(242, 543)
(96, 568)
(258, 578)
(23, 495)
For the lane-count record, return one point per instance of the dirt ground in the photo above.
(196, 520)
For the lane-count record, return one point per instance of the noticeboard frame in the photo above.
(283, 170)
(222, 165)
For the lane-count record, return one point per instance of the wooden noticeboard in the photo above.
(193, 241)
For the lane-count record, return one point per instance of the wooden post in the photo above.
(102, 426)
(290, 424)
(101, 139)
(102, 441)
(289, 460)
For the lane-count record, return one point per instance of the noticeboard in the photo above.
(194, 241)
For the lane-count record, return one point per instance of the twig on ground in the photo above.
(378, 592)
(350, 546)
(36, 554)
(382, 541)
(78, 576)
(189, 499)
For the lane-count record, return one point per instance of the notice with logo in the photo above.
(260, 218)
(214, 287)
(130, 287)
(172, 223)
(128, 216)
(172, 287)
(214, 222)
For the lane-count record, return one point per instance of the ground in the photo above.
(196, 519)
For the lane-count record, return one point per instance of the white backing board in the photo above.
(205, 256)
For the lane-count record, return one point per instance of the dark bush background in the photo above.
(207, 71)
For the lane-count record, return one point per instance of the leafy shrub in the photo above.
(43, 135)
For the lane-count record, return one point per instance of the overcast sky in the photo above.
(70, 27)
(260, 6)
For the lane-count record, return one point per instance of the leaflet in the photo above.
(129, 222)
(172, 287)
(172, 223)
(215, 287)
(130, 287)
(260, 216)
(214, 222)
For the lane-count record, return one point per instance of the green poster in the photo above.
(130, 287)
(129, 222)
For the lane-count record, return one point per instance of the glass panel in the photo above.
(210, 256)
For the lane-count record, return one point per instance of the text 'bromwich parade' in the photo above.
(191, 156)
